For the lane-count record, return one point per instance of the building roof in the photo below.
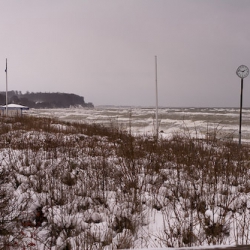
(14, 107)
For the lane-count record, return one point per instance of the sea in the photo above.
(219, 123)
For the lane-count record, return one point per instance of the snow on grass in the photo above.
(78, 186)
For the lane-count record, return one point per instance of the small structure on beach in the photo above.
(13, 109)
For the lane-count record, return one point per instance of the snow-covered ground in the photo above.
(76, 187)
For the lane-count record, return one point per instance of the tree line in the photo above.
(44, 99)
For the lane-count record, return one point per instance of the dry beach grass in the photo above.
(77, 186)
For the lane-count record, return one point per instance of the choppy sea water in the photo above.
(195, 122)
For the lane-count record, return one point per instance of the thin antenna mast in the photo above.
(6, 89)
(156, 94)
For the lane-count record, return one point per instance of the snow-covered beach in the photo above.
(85, 186)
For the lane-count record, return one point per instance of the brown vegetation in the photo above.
(86, 185)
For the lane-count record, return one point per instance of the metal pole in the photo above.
(241, 97)
(156, 94)
(6, 89)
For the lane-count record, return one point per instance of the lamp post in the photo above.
(242, 72)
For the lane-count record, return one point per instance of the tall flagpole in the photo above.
(6, 89)
(156, 94)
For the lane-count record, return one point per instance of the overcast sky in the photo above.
(105, 50)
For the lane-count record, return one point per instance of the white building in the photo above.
(13, 109)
